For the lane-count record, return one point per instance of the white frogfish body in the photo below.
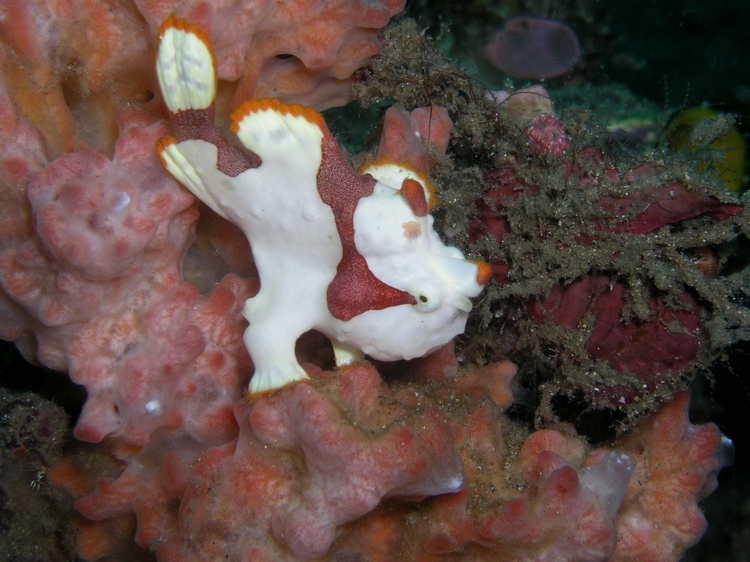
(354, 256)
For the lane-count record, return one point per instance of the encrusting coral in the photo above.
(74, 66)
(113, 272)
(346, 467)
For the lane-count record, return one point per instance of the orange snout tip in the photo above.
(484, 272)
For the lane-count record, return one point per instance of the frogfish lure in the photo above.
(352, 255)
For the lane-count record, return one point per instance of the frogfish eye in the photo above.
(426, 302)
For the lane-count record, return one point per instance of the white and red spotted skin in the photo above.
(354, 256)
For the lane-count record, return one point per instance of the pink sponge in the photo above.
(550, 500)
(343, 467)
(100, 286)
(308, 460)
